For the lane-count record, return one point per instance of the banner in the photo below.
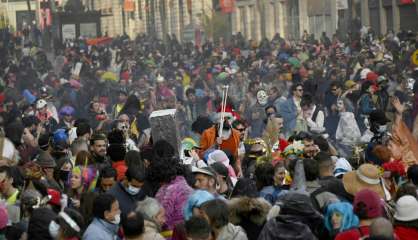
(405, 2)
(129, 6)
(68, 32)
(189, 6)
(342, 4)
(227, 6)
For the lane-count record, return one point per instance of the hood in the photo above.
(253, 209)
(282, 228)
(231, 232)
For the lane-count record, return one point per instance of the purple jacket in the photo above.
(172, 197)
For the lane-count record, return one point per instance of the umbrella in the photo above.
(99, 41)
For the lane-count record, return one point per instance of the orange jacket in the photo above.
(208, 139)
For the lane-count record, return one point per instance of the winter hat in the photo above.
(45, 160)
(220, 156)
(39, 223)
(31, 198)
(372, 76)
(367, 204)
(196, 200)
(60, 139)
(54, 197)
(4, 217)
(29, 97)
(406, 209)
(66, 111)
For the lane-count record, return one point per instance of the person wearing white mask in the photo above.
(229, 139)
(128, 191)
(105, 224)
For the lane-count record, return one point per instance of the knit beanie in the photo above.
(367, 204)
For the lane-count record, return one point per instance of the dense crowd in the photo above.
(280, 139)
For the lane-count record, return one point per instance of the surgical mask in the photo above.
(116, 221)
(133, 190)
(54, 229)
(382, 128)
(226, 134)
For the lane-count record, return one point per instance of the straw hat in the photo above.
(367, 176)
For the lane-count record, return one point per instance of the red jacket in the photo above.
(354, 233)
(406, 233)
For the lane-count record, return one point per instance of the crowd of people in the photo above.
(280, 139)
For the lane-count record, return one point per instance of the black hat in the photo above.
(379, 117)
(45, 160)
(220, 169)
(205, 170)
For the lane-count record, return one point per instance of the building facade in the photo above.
(385, 15)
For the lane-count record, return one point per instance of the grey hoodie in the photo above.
(232, 232)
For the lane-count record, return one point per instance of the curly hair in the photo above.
(164, 169)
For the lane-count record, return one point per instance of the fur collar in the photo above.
(253, 209)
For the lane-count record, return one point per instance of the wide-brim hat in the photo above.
(205, 170)
(367, 176)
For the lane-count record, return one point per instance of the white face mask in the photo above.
(133, 190)
(54, 229)
(226, 134)
(116, 221)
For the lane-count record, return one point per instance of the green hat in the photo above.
(188, 144)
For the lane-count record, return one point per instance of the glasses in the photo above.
(240, 129)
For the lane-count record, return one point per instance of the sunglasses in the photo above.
(240, 129)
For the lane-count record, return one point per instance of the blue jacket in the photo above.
(289, 112)
(100, 229)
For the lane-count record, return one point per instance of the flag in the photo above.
(129, 6)
(227, 6)
(404, 2)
